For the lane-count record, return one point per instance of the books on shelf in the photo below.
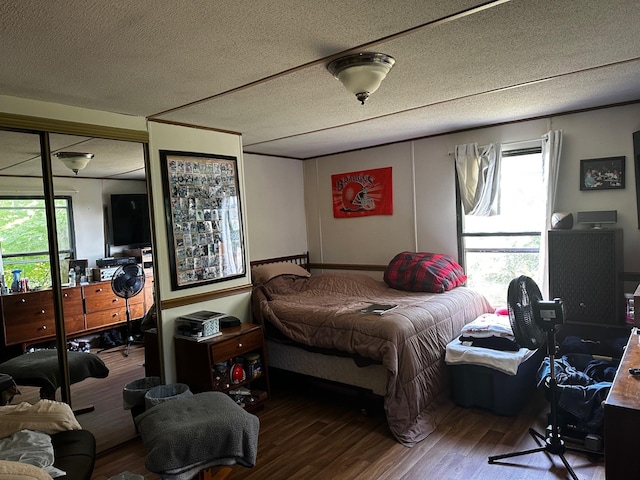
(378, 308)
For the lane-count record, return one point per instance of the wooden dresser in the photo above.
(622, 415)
(28, 318)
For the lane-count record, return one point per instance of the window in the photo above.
(24, 239)
(496, 249)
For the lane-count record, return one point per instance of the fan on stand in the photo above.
(534, 323)
(127, 282)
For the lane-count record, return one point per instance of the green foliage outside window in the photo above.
(24, 240)
(501, 247)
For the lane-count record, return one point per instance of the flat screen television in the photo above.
(130, 220)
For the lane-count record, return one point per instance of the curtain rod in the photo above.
(511, 144)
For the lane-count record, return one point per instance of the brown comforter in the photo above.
(410, 340)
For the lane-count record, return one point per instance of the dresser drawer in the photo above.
(107, 317)
(237, 346)
(136, 310)
(34, 327)
(19, 307)
(73, 324)
(99, 297)
(72, 302)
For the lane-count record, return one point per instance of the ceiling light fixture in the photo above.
(361, 73)
(74, 160)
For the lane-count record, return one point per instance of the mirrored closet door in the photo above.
(89, 176)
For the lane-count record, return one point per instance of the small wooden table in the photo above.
(622, 415)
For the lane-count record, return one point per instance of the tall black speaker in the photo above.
(584, 271)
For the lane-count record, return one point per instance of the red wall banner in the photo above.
(367, 192)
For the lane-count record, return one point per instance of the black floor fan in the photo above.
(534, 323)
(127, 282)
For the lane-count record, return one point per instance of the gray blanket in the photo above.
(40, 369)
(191, 433)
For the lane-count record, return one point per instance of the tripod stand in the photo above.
(553, 442)
(127, 282)
(130, 339)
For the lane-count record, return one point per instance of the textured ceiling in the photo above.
(259, 68)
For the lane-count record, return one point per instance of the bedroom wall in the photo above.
(424, 189)
(275, 206)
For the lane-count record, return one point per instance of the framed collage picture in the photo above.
(203, 216)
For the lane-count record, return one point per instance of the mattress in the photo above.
(324, 311)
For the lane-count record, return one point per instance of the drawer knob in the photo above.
(42, 311)
(116, 314)
(99, 290)
(582, 305)
(43, 327)
(240, 345)
(66, 295)
(23, 300)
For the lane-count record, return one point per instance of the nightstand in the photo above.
(196, 362)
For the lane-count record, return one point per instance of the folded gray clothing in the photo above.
(200, 430)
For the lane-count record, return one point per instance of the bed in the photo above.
(314, 326)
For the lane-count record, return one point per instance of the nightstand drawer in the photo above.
(237, 346)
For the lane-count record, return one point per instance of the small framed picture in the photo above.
(602, 173)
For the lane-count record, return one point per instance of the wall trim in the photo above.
(26, 122)
(203, 297)
(347, 266)
(190, 125)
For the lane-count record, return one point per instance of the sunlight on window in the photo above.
(24, 239)
(504, 246)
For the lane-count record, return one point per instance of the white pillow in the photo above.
(264, 273)
(46, 416)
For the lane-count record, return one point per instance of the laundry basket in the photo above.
(164, 393)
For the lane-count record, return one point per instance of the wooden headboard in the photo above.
(301, 259)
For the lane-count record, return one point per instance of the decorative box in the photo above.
(203, 323)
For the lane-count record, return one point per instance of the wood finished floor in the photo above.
(109, 422)
(309, 433)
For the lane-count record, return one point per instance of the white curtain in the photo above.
(551, 150)
(230, 225)
(478, 171)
